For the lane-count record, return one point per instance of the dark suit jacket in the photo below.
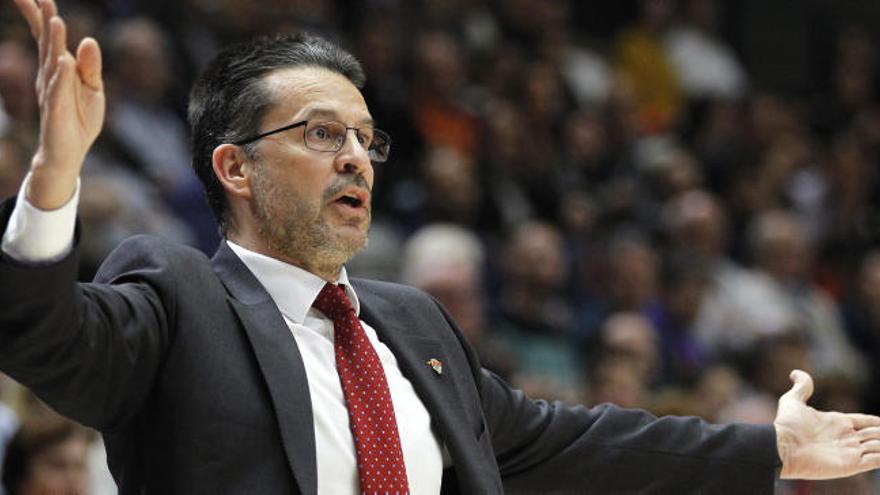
(187, 368)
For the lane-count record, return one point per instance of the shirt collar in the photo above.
(292, 288)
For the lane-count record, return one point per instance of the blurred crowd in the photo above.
(622, 216)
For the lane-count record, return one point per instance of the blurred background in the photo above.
(661, 204)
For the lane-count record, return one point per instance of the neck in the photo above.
(325, 269)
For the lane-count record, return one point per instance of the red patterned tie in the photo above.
(370, 411)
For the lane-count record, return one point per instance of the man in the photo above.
(249, 373)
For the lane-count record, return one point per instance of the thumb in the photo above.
(802, 388)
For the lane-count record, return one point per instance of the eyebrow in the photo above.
(331, 114)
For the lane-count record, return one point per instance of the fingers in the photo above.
(63, 72)
(42, 47)
(871, 447)
(60, 63)
(55, 47)
(57, 40)
(47, 12)
(865, 421)
(868, 433)
(803, 386)
(869, 461)
(89, 64)
(51, 34)
(30, 10)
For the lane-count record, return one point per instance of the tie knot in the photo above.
(332, 301)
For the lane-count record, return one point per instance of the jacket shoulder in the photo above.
(146, 253)
(381, 287)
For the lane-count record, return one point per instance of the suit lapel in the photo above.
(436, 390)
(282, 367)
(280, 363)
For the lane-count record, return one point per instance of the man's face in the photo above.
(301, 197)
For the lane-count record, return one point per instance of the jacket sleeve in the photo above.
(543, 446)
(91, 351)
(551, 447)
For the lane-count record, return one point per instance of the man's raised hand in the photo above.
(70, 93)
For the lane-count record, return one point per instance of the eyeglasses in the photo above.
(330, 136)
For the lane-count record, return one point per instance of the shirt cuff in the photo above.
(36, 236)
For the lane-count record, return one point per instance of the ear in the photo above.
(233, 169)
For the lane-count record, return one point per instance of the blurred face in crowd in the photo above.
(779, 357)
(632, 335)
(141, 60)
(58, 470)
(632, 276)
(617, 380)
(457, 287)
(535, 260)
(440, 63)
(543, 91)
(301, 199)
(17, 71)
(584, 138)
(380, 46)
(869, 282)
(782, 249)
(685, 297)
(701, 226)
(452, 184)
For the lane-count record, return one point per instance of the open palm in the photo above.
(70, 92)
(822, 445)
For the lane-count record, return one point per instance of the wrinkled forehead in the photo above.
(302, 93)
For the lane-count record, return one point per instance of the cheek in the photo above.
(370, 175)
(294, 184)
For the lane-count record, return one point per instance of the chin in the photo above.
(350, 243)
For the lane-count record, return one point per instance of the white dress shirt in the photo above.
(37, 236)
(293, 290)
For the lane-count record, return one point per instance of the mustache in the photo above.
(346, 181)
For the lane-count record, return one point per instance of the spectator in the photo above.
(17, 71)
(147, 129)
(447, 261)
(706, 66)
(863, 322)
(534, 317)
(685, 284)
(632, 278)
(144, 130)
(631, 335)
(47, 455)
(452, 192)
(697, 226)
(441, 109)
(640, 56)
(783, 264)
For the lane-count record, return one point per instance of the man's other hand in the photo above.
(822, 445)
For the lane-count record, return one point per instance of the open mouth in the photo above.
(353, 197)
(352, 201)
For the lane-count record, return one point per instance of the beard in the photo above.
(298, 229)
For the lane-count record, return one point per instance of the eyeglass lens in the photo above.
(331, 136)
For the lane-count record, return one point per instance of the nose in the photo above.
(354, 157)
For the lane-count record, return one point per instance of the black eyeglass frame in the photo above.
(376, 132)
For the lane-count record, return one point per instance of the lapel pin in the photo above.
(435, 365)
